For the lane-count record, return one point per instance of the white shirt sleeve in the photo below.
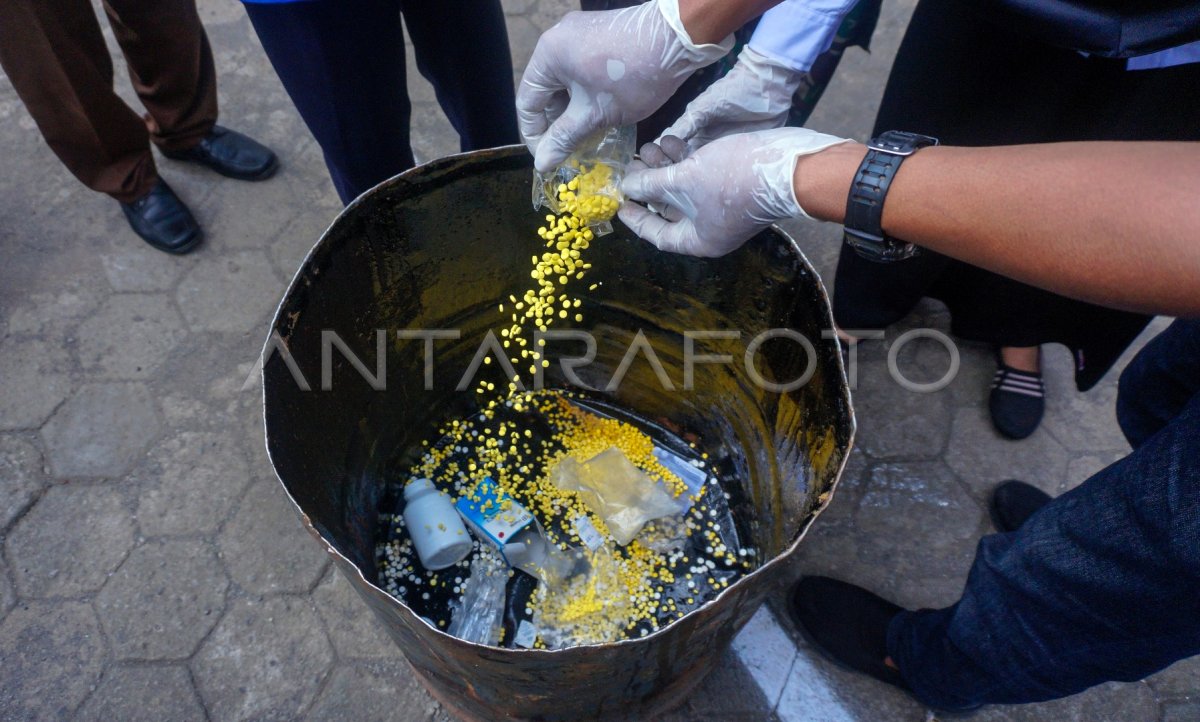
(794, 33)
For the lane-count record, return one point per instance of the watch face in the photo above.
(888, 250)
(899, 142)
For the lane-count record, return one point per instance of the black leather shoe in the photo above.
(1013, 502)
(163, 221)
(848, 624)
(231, 154)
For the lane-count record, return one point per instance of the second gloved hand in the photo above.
(725, 192)
(755, 95)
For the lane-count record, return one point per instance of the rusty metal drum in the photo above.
(436, 248)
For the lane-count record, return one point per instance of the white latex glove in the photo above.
(755, 95)
(725, 192)
(597, 70)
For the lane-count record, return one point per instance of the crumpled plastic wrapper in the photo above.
(622, 495)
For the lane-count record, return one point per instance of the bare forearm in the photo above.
(710, 21)
(1112, 223)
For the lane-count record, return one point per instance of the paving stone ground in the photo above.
(151, 570)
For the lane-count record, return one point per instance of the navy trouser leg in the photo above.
(342, 63)
(1101, 584)
(1159, 381)
(461, 47)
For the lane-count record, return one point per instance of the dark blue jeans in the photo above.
(1101, 584)
(342, 63)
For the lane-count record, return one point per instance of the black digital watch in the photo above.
(864, 207)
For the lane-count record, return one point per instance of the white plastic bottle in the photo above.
(436, 530)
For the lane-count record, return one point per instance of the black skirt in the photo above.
(969, 81)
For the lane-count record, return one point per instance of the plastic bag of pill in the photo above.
(621, 494)
(588, 184)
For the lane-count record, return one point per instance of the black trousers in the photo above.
(342, 63)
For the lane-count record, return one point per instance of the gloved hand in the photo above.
(755, 95)
(597, 70)
(725, 192)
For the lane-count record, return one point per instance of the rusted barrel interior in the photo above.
(436, 248)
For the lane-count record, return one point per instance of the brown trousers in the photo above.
(55, 56)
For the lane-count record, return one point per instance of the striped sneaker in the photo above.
(1017, 401)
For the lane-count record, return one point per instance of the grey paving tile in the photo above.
(432, 135)
(163, 600)
(130, 267)
(545, 13)
(247, 215)
(296, 239)
(264, 546)
(143, 694)
(1085, 465)
(1080, 421)
(8, 595)
(190, 483)
(21, 476)
(1181, 679)
(36, 313)
(51, 654)
(982, 458)
(35, 381)
(1113, 701)
(101, 430)
(70, 541)
(352, 627)
(915, 504)
(266, 659)
(974, 380)
(894, 422)
(129, 336)
(518, 7)
(368, 691)
(1181, 711)
(229, 291)
(522, 38)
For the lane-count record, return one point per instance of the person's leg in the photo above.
(171, 67)
(1159, 381)
(468, 63)
(55, 57)
(1098, 585)
(342, 64)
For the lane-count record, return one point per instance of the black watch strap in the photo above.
(864, 206)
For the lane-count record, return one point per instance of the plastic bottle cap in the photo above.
(415, 487)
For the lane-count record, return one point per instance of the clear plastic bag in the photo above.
(480, 615)
(593, 608)
(588, 184)
(621, 494)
